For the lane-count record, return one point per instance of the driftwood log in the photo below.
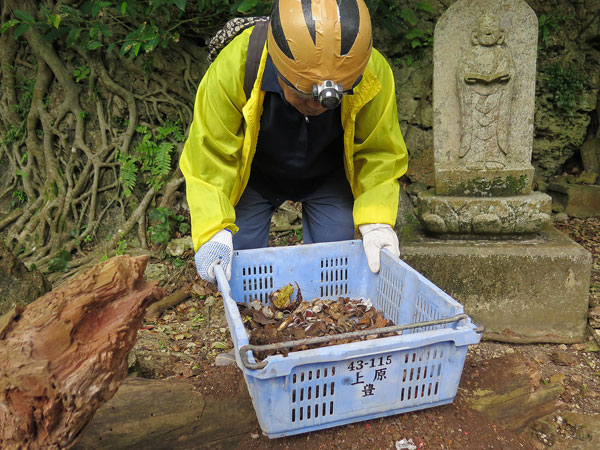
(169, 414)
(65, 354)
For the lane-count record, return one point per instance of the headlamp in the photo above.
(328, 94)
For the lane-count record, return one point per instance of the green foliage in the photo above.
(549, 23)
(25, 95)
(155, 158)
(121, 247)
(407, 25)
(15, 134)
(199, 318)
(81, 73)
(566, 84)
(119, 122)
(19, 197)
(76, 234)
(183, 227)
(134, 26)
(419, 40)
(128, 173)
(142, 26)
(254, 7)
(147, 37)
(178, 263)
(151, 158)
(162, 225)
(60, 262)
(170, 129)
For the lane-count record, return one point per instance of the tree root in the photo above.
(155, 310)
(60, 139)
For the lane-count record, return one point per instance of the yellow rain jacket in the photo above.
(218, 153)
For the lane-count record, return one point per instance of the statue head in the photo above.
(488, 32)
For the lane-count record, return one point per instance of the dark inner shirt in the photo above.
(294, 153)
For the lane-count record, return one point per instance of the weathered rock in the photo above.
(18, 286)
(587, 177)
(558, 138)
(413, 90)
(563, 358)
(561, 217)
(157, 272)
(176, 247)
(594, 317)
(419, 143)
(407, 224)
(587, 431)
(416, 188)
(155, 415)
(513, 394)
(575, 199)
(415, 112)
(546, 426)
(285, 215)
(590, 155)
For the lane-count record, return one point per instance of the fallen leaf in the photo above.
(380, 321)
(200, 289)
(592, 346)
(219, 345)
(182, 336)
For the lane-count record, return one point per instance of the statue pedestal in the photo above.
(497, 216)
(483, 183)
(532, 289)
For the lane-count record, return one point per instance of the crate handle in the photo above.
(322, 339)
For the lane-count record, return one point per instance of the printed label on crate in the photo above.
(370, 381)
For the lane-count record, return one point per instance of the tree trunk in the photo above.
(65, 354)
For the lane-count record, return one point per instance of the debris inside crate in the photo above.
(290, 318)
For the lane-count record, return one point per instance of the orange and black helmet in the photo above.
(314, 41)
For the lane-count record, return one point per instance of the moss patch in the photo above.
(497, 187)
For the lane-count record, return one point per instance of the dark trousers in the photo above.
(326, 215)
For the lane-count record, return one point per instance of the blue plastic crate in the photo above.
(329, 386)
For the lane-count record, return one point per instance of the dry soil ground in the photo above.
(183, 344)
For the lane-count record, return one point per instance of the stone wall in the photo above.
(570, 52)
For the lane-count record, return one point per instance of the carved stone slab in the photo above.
(494, 216)
(483, 97)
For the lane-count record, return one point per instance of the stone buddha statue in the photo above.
(485, 76)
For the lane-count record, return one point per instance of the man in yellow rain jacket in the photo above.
(320, 126)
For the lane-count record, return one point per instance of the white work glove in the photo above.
(217, 250)
(377, 236)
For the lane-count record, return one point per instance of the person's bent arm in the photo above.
(211, 157)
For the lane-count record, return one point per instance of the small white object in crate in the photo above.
(329, 386)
